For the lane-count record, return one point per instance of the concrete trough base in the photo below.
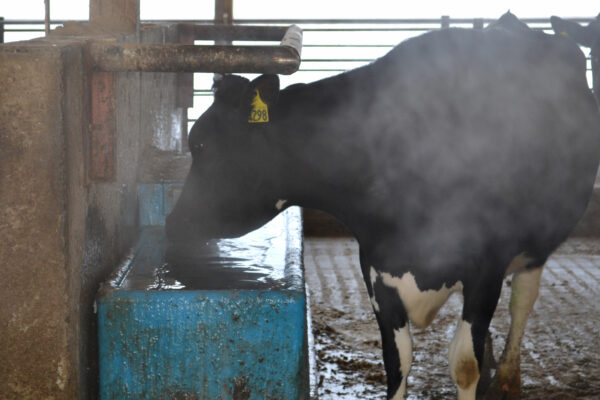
(223, 321)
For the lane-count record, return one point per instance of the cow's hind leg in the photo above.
(395, 334)
(467, 347)
(506, 384)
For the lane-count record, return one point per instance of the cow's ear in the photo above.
(262, 94)
(230, 89)
(267, 87)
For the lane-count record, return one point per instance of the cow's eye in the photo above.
(196, 147)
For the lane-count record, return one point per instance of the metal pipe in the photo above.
(293, 39)
(1, 29)
(317, 21)
(47, 17)
(129, 57)
(236, 32)
(282, 59)
(224, 12)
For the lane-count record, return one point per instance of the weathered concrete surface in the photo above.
(61, 232)
(39, 346)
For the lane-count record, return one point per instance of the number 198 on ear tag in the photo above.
(260, 111)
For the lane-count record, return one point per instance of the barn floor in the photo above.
(560, 352)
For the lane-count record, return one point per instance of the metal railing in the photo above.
(330, 46)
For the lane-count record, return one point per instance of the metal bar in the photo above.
(47, 17)
(129, 57)
(445, 22)
(24, 30)
(435, 21)
(398, 29)
(329, 60)
(392, 21)
(224, 12)
(322, 70)
(237, 32)
(224, 18)
(1, 29)
(121, 57)
(293, 40)
(350, 45)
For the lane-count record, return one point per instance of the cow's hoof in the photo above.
(503, 389)
(489, 363)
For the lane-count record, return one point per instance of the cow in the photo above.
(458, 158)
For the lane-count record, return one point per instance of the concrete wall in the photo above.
(39, 288)
(61, 232)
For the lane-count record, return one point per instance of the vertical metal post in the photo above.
(223, 16)
(1, 29)
(223, 12)
(445, 21)
(47, 17)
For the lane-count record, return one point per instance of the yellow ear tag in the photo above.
(260, 111)
(564, 33)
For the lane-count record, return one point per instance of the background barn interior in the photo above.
(48, 328)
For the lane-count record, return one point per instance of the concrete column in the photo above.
(39, 285)
(61, 230)
(119, 16)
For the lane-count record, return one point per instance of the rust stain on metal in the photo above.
(129, 57)
(240, 389)
(125, 57)
(103, 124)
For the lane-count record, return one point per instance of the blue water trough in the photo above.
(223, 320)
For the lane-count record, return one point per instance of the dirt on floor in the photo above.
(560, 356)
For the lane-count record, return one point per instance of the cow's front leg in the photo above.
(467, 347)
(395, 334)
(524, 292)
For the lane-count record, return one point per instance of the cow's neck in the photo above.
(321, 159)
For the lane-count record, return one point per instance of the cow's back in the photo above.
(469, 138)
(500, 135)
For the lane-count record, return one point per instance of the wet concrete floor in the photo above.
(560, 351)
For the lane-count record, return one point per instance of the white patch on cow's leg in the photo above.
(373, 275)
(404, 344)
(421, 306)
(280, 203)
(524, 292)
(464, 368)
(518, 264)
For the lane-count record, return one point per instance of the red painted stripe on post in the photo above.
(102, 142)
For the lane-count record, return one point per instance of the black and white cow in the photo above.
(459, 157)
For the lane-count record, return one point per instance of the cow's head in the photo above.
(229, 190)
